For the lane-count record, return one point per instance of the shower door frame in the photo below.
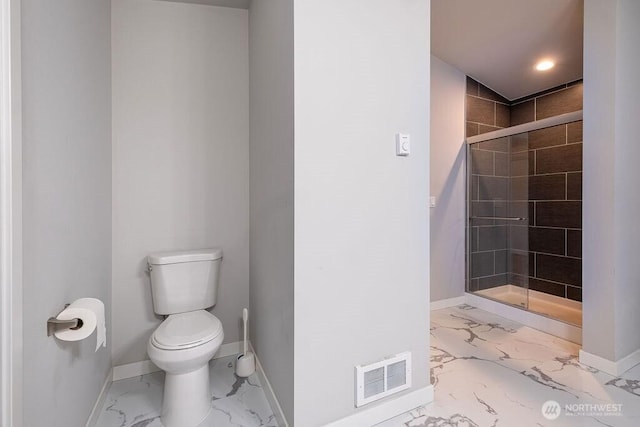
(561, 119)
(502, 133)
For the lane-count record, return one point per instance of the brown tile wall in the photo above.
(554, 235)
(486, 110)
(553, 102)
(489, 238)
(539, 177)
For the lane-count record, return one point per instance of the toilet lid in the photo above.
(185, 330)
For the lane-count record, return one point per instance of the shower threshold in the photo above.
(558, 308)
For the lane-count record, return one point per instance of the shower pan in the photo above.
(524, 202)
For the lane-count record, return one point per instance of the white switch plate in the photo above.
(403, 144)
(432, 201)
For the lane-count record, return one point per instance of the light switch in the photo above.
(403, 144)
(432, 201)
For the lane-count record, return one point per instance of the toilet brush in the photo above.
(246, 363)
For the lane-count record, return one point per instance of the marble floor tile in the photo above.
(486, 370)
(490, 371)
(235, 401)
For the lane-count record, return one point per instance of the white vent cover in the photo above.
(380, 379)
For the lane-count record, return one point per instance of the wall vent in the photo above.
(383, 378)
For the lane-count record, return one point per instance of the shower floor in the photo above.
(552, 306)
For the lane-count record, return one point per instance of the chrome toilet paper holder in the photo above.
(54, 325)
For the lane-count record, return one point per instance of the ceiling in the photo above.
(498, 42)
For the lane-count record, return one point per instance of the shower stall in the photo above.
(524, 217)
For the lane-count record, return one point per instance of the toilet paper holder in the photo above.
(54, 324)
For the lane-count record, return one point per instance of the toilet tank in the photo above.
(184, 281)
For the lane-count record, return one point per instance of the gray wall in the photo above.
(611, 201)
(447, 219)
(67, 200)
(361, 213)
(272, 294)
(180, 155)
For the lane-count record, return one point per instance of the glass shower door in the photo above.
(498, 212)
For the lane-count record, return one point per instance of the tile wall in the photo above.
(552, 242)
(486, 110)
(489, 239)
(537, 176)
(552, 102)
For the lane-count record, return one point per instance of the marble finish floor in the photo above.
(490, 371)
(136, 402)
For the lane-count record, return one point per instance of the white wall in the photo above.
(272, 294)
(447, 219)
(598, 179)
(611, 203)
(180, 155)
(627, 177)
(361, 213)
(67, 200)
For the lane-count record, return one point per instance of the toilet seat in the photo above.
(186, 330)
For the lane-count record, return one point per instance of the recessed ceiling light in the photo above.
(544, 65)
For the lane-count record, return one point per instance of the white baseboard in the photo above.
(95, 412)
(449, 302)
(610, 367)
(542, 323)
(144, 367)
(269, 393)
(135, 369)
(230, 349)
(387, 410)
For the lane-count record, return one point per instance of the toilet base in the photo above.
(187, 398)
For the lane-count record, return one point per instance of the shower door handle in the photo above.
(501, 218)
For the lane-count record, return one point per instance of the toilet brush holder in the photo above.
(246, 364)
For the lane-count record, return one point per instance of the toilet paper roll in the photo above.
(91, 312)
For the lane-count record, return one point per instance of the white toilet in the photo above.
(183, 285)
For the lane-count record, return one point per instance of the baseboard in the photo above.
(135, 369)
(269, 393)
(230, 349)
(542, 323)
(628, 362)
(387, 410)
(144, 367)
(97, 408)
(446, 303)
(610, 367)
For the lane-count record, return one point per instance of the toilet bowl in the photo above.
(182, 346)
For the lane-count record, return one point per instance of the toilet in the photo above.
(183, 285)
